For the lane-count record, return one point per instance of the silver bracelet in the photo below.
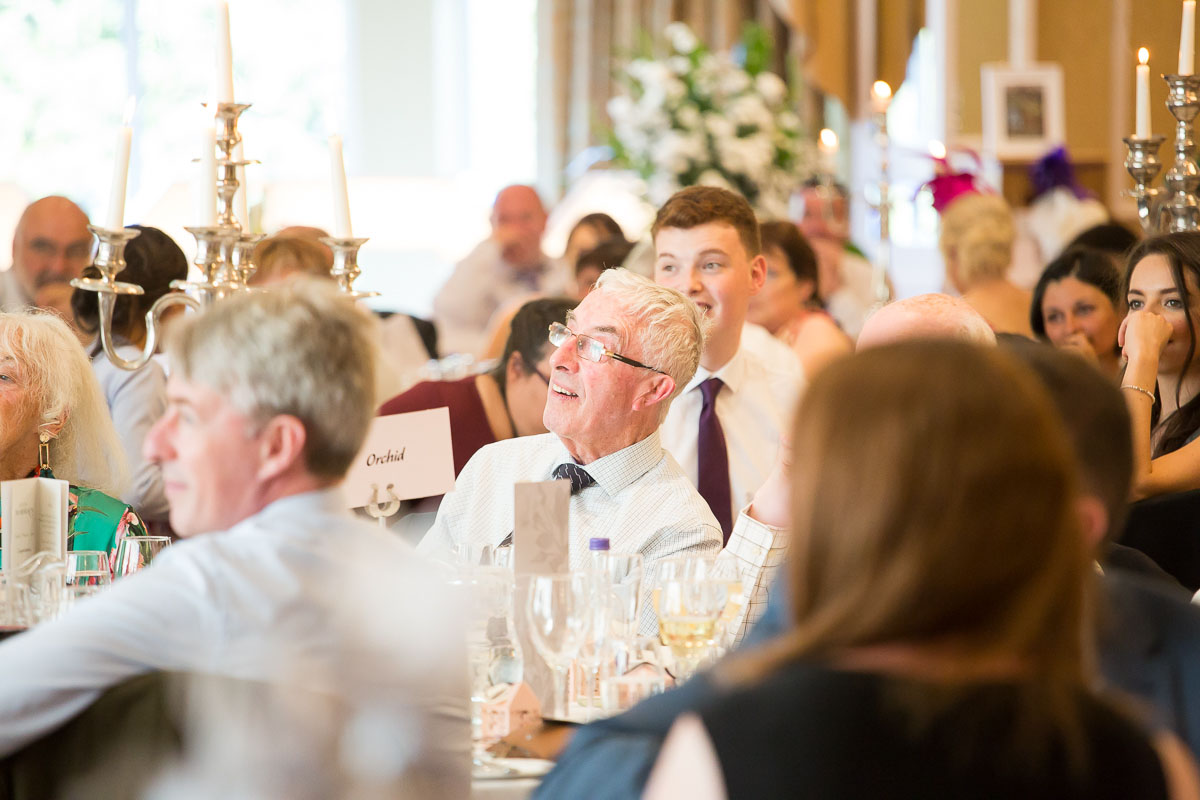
(1146, 392)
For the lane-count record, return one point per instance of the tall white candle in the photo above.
(206, 179)
(827, 146)
(241, 205)
(224, 55)
(1019, 32)
(1187, 39)
(341, 198)
(1141, 125)
(120, 177)
(881, 96)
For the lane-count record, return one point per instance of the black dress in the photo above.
(814, 732)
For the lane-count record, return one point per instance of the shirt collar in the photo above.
(617, 471)
(305, 504)
(733, 374)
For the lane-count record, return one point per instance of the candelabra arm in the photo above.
(153, 327)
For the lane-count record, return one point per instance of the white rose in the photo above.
(681, 37)
(771, 87)
(688, 117)
(680, 65)
(718, 125)
(619, 108)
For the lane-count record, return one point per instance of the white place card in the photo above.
(540, 517)
(33, 519)
(408, 454)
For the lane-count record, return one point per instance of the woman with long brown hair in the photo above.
(939, 587)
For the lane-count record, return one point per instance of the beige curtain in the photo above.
(828, 33)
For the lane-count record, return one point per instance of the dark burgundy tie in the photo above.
(713, 474)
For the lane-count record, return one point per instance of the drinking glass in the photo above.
(634, 670)
(557, 606)
(624, 572)
(494, 657)
(597, 636)
(87, 573)
(687, 620)
(676, 569)
(136, 552)
(730, 623)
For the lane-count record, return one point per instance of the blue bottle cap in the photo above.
(597, 544)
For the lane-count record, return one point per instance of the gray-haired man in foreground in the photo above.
(269, 400)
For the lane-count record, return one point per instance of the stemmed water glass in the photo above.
(136, 552)
(557, 607)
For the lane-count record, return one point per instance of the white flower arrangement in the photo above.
(697, 117)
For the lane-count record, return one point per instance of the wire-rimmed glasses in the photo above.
(592, 349)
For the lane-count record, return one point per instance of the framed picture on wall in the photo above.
(1022, 110)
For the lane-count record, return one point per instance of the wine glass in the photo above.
(676, 569)
(688, 611)
(732, 618)
(557, 606)
(87, 573)
(136, 552)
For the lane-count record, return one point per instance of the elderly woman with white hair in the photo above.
(54, 423)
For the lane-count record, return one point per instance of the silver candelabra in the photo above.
(224, 254)
(1175, 206)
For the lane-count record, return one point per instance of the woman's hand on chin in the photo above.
(1143, 334)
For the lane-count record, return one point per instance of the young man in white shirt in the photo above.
(707, 247)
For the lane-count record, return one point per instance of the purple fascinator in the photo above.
(1055, 171)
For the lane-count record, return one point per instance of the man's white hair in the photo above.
(301, 349)
(926, 316)
(670, 328)
(61, 384)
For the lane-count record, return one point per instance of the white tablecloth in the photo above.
(503, 789)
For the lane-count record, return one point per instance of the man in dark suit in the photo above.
(1149, 635)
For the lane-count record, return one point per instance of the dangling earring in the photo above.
(44, 455)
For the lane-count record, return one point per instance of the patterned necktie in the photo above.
(713, 477)
(579, 477)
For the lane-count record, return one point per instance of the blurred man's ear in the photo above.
(1093, 520)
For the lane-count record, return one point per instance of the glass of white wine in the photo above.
(688, 611)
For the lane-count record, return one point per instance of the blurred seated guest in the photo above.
(1155, 663)
(1162, 376)
(1077, 306)
(789, 304)
(976, 242)
(845, 274)
(622, 357)
(606, 255)
(925, 316)
(51, 246)
(135, 399)
(589, 231)
(503, 403)
(309, 233)
(1111, 237)
(280, 257)
(502, 270)
(943, 686)
(269, 400)
(49, 397)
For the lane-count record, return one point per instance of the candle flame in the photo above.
(937, 149)
(130, 107)
(1143, 55)
(829, 139)
(881, 90)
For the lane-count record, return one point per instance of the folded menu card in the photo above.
(33, 519)
(540, 517)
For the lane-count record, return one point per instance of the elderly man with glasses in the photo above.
(624, 354)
